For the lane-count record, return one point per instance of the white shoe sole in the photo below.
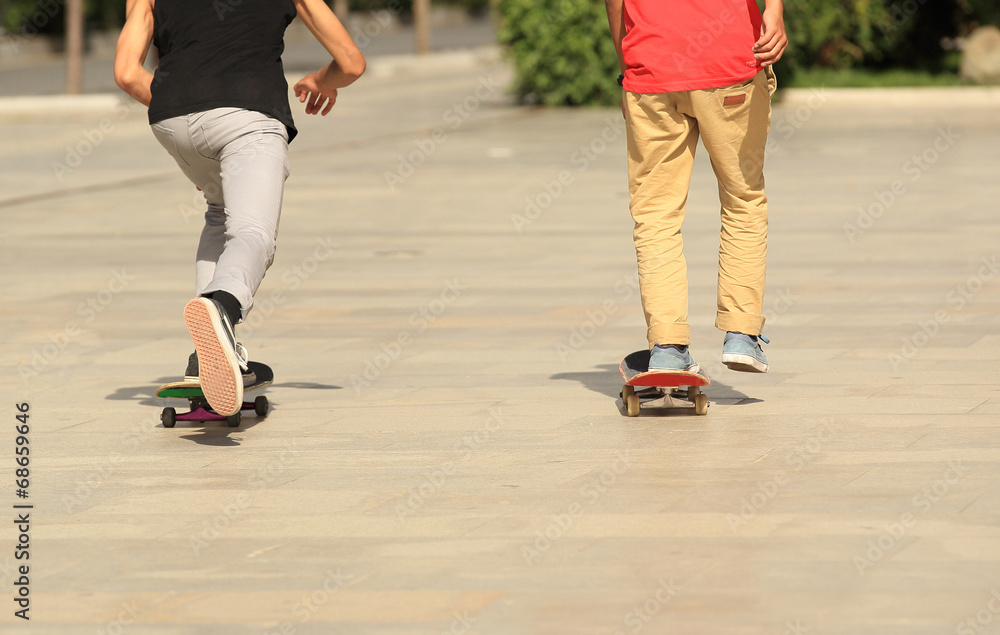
(743, 363)
(219, 371)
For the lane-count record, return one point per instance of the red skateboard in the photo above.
(686, 385)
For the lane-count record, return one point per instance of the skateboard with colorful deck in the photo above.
(200, 410)
(656, 384)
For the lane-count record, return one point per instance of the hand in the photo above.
(773, 41)
(314, 97)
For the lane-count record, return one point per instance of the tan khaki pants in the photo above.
(663, 132)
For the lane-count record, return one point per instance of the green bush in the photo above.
(561, 50)
(879, 34)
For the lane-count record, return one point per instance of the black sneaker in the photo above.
(191, 374)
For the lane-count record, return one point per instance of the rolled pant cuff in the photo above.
(670, 334)
(740, 323)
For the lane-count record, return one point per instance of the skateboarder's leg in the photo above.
(254, 166)
(239, 159)
(180, 136)
(662, 138)
(245, 154)
(734, 124)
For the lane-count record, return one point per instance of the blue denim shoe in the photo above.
(672, 357)
(742, 352)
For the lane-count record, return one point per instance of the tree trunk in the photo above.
(74, 46)
(422, 25)
(342, 9)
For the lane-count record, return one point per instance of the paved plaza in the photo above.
(446, 453)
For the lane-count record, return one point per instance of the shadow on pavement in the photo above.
(607, 380)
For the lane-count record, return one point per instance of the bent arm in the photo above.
(130, 53)
(348, 63)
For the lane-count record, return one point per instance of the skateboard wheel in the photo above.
(701, 404)
(626, 391)
(168, 417)
(233, 420)
(693, 392)
(260, 405)
(632, 405)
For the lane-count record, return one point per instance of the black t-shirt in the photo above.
(221, 54)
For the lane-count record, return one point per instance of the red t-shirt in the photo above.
(673, 45)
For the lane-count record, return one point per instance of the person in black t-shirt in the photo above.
(218, 103)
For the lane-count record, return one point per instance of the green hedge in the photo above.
(561, 51)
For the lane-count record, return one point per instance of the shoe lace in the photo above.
(242, 356)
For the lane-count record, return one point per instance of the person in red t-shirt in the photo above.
(695, 68)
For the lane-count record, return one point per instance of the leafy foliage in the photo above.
(561, 50)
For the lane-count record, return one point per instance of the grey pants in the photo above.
(239, 159)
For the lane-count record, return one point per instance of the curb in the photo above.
(934, 96)
(41, 106)
(44, 105)
(391, 65)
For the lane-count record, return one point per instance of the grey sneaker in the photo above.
(743, 353)
(191, 374)
(672, 357)
(220, 360)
